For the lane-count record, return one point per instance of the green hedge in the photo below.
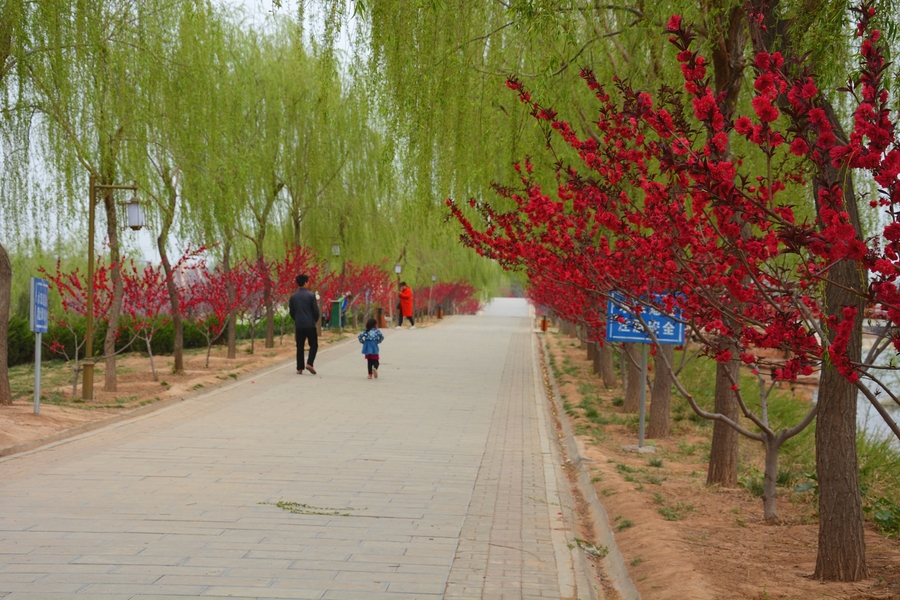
(21, 340)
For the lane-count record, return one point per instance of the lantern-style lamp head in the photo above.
(433, 278)
(397, 269)
(335, 250)
(135, 214)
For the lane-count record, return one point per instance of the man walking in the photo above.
(304, 310)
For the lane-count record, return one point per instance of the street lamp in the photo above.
(397, 269)
(135, 222)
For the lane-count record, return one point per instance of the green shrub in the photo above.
(20, 342)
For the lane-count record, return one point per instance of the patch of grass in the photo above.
(197, 387)
(300, 508)
(596, 478)
(54, 397)
(636, 561)
(586, 388)
(658, 498)
(568, 368)
(685, 448)
(753, 483)
(669, 513)
(583, 429)
(623, 468)
(655, 479)
(592, 549)
(618, 401)
(608, 492)
(624, 524)
(655, 462)
(233, 375)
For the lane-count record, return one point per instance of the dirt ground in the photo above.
(684, 540)
(59, 411)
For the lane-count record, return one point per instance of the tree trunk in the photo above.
(5, 300)
(152, 366)
(171, 288)
(115, 273)
(842, 550)
(270, 307)
(633, 374)
(770, 479)
(661, 393)
(607, 369)
(842, 547)
(723, 455)
(175, 308)
(232, 316)
(592, 354)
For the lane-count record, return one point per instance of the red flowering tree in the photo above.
(667, 209)
(72, 291)
(454, 297)
(364, 288)
(210, 297)
(175, 277)
(297, 261)
(145, 305)
(252, 293)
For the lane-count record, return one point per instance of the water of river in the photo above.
(867, 417)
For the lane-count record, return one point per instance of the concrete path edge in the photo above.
(585, 581)
(614, 562)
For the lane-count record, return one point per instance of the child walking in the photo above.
(370, 338)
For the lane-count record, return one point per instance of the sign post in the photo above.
(40, 314)
(623, 326)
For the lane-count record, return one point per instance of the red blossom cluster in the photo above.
(659, 205)
(454, 296)
(208, 297)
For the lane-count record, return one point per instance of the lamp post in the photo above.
(135, 222)
(336, 253)
(336, 303)
(397, 270)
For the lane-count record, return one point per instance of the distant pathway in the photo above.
(438, 480)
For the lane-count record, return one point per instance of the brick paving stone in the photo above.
(434, 481)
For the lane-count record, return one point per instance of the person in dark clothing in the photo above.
(304, 310)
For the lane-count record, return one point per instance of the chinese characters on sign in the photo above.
(40, 305)
(623, 326)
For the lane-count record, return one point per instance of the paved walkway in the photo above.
(438, 480)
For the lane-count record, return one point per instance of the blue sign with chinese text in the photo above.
(623, 326)
(40, 305)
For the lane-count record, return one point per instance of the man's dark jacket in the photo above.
(304, 309)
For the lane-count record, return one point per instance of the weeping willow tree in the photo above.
(174, 105)
(87, 91)
(13, 41)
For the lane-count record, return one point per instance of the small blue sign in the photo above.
(40, 305)
(623, 326)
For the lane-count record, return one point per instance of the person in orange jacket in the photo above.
(405, 306)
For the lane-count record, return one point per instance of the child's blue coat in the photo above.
(370, 340)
